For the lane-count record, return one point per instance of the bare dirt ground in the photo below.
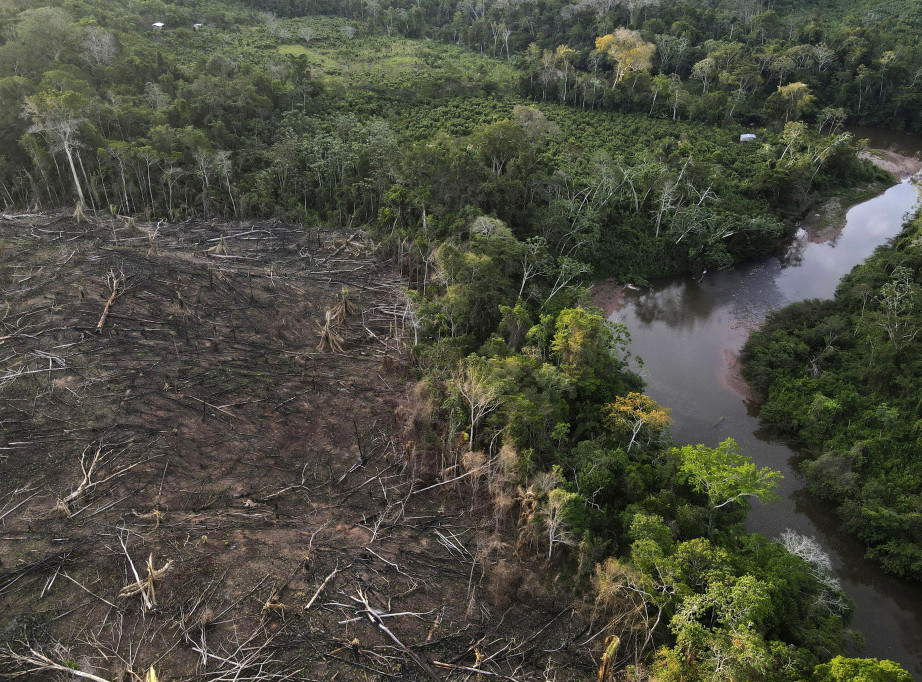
(192, 484)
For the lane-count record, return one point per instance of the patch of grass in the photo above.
(390, 67)
(293, 49)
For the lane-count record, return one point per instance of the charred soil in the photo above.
(191, 477)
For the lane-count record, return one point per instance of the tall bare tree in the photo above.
(57, 116)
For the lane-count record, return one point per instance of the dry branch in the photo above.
(116, 284)
(145, 587)
(89, 468)
(330, 340)
(476, 671)
(35, 662)
(378, 622)
(320, 589)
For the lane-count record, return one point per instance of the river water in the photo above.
(689, 332)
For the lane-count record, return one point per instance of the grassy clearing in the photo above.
(294, 50)
(384, 66)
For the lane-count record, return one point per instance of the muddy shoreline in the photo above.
(824, 223)
(900, 165)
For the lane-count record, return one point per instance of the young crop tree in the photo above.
(57, 115)
(725, 476)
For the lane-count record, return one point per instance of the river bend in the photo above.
(689, 333)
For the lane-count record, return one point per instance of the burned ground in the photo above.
(199, 424)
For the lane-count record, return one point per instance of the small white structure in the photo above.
(158, 25)
(197, 27)
(747, 137)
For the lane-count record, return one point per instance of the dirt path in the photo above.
(203, 428)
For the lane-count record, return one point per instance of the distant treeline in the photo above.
(254, 115)
(716, 61)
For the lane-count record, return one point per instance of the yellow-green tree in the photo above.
(628, 50)
(635, 412)
(797, 99)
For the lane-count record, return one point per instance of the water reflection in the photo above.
(899, 141)
(795, 251)
(679, 304)
(689, 333)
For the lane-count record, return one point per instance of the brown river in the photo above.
(689, 331)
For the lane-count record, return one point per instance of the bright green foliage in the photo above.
(636, 412)
(725, 476)
(841, 669)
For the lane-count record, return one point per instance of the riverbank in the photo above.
(900, 165)
(689, 332)
(825, 222)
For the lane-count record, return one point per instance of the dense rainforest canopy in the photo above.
(503, 153)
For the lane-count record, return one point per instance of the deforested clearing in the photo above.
(190, 485)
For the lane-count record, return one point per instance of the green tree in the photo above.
(555, 510)
(481, 389)
(897, 312)
(634, 412)
(725, 476)
(565, 56)
(841, 669)
(797, 99)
